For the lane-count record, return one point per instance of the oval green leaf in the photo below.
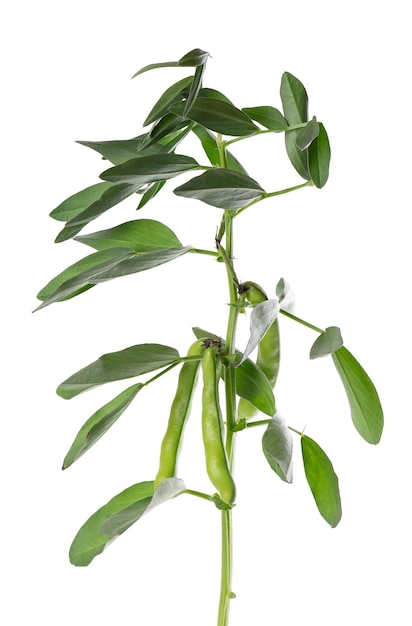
(99, 423)
(277, 447)
(148, 169)
(222, 188)
(298, 158)
(139, 235)
(123, 263)
(294, 99)
(366, 409)
(117, 523)
(194, 58)
(322, 481)
(209, 143)
(107, 199)
(117, 151)
(127, 363)
(172, 95)
(267, 116)
(319, 158)
(79, 201)
(219, 116)
(90, 541)
(327, 343)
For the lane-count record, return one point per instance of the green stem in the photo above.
(301, 321)
(200, 251)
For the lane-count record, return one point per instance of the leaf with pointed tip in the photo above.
(75, 204)
(87, 263)
(209, 144)
(148, 169)
(251, 382)
(366, 409)
(294, 99)
(194, 58)
(117, 151)
(261, 319)
(125, 263)
(277, 447)
(319, 158)
(222, 188)
(150, 193)
(139, 235)
(117, 523)
(308, 134)
(328, 342)
(155, 66)
(218, 115)
(322, 481)
(127, 363)
(167, 126)
(90, 541)
(295, 109)
(194, 89)
(111, 196)
(99, 423)
(174, 93)
(207, 92)
(267, 116)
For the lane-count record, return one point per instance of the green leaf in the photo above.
(117, 523)
(298, 158)
(138, 235)
(267, 116)
(322, 481)
(277, 447)
(218, 115)
(175, 93)
(295, 109)
(251, 382)
(194, 58)
(252, 385)
(117, 151)
(207, 92)
(151, 192)
(87, 263)
(127, 363)
(308, 134)
(327, 342)
(111, 196)
(79, 201)
(209, 144)
(89, 541)
(294, 99)
(366, 409)
(222, 188)
(194, 89)
(155, 66)
(125, 263)
(169, 126)
(99, 423)
(154, 167)
(319, 158)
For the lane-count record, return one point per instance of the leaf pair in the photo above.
(308, 147)
(115, 517)
(277, 447)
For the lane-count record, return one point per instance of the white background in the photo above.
(345, 250)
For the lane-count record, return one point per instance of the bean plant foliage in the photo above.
(142, 167)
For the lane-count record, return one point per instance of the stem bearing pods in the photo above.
(217, 464)
(179, 413)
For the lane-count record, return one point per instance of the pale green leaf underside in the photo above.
(277, 447)
(328, 342)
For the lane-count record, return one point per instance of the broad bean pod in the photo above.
(179, 413)
(268, 355)
(217, 464)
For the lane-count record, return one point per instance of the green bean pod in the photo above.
(217, 465)
(179, 413)
(268, 355)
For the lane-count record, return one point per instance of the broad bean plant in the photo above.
(237, 385)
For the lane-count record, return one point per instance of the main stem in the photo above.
(226, 593)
